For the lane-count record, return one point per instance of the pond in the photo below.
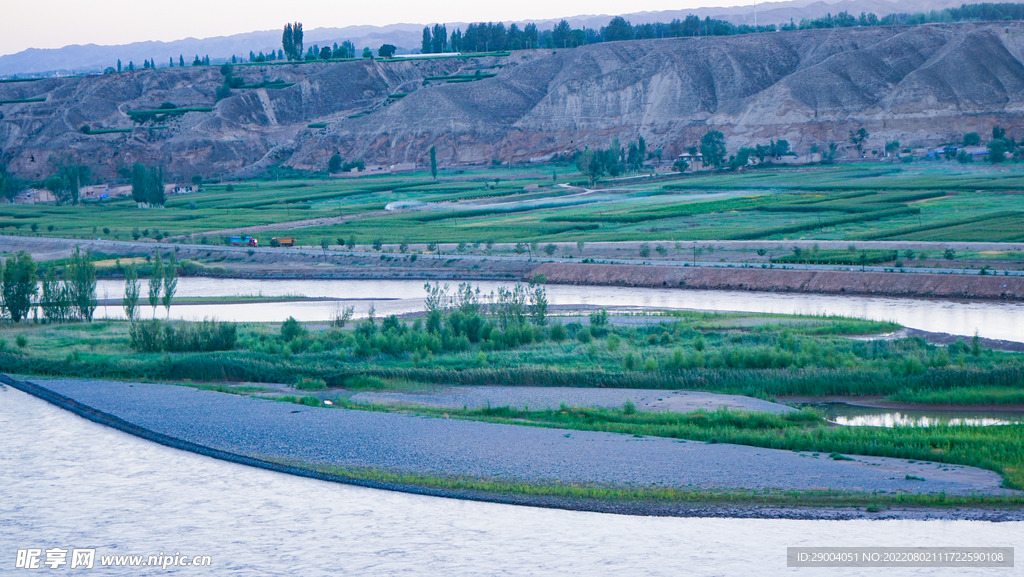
(856, 416)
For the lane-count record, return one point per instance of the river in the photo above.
(991, 319)
(71, 483)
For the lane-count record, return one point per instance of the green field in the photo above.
(923, 201)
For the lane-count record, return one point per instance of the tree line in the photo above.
(70, 297)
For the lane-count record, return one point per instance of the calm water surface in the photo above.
(880, 417)
(67, 482)
(991, 319)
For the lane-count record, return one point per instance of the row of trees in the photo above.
(72, 297)
(966, 12)
(612, 161)
(162, 285)
(70, 294)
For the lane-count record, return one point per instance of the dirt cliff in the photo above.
(919, 85)
(778, 280)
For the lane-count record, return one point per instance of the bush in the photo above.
(291, 329)
(584, 335)
(558, 332)
(612, 343)
(163, 336)
(21, 341)
(307, 384)
(364, 382)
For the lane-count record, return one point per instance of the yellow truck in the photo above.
(282, 241)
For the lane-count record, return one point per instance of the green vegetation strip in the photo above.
(23, 101)
(652, 497)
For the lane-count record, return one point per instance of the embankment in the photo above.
(786, 280)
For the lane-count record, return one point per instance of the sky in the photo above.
(57, 23)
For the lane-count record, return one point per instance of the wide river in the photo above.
(991, 319)
(69, 483)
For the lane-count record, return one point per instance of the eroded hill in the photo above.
(919, 85)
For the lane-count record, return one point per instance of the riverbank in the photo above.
(530, 466)
(450, 264)
(786, 280)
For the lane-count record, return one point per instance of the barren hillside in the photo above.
(919, 85)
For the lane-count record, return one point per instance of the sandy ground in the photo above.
(553, 397)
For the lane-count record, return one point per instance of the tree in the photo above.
(680, 165)
(367, 53)
(288, 41)
(170, 282)
(426, 45)
(997, 149)
(291, 41)
(324, 245)
(712, 148)
(892, 146)
(148, 185)
(118, 64)
(433, 162)
(858, 138)
(439, 39)
(55, 299)
(560, 34)
(334, 164)
(131, 293)
(156, 281)
(740, 159)
(19, 285)
(325, 53)
(618, 29)
(386, 50)
(82, 277)
(538, 305)
(972, 139)
(8, 185)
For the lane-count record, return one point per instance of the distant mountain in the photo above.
(93, 57)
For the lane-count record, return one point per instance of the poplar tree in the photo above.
(170, 282)
(156, 281)
(131, 293)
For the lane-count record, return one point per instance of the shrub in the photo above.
(584, 335)
(163, 336)
(291, 329)
(558, 332)
(612, 343)
(308, 384)
(21, 341)
(628, 408)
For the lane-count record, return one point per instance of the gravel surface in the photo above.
(553, 397)
(436, 446)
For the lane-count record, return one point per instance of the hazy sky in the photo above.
(55, 23)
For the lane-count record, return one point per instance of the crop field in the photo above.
(920, 202)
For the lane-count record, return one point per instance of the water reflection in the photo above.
(991, 319)
(854, 416)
